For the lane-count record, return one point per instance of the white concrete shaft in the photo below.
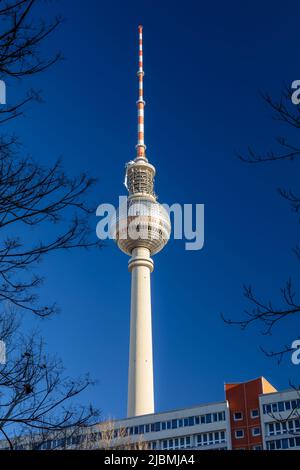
(140, 376)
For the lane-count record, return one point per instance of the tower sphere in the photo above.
(141, 222)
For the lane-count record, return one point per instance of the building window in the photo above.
(238, 416)
(208, 418)
(271, 429)
(191, 420)
(174, 423)
(197, 420)
(267, 409)
(291, 442)
(255, 431)
(75, 441)
(254, 413)
(281, 406)
(284, 429)
(271, 445)
(294, 404)
(257, 447)
(285, 443)
(157, 426)
(274, 407)
(180, 423)
(239, 433)
(291, 425)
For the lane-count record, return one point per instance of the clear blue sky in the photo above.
(205, 64)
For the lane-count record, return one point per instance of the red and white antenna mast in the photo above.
(141, 147)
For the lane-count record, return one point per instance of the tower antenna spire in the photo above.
(141, 147)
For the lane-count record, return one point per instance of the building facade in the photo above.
(204, 426)
(245, 416)
(253, 416)
(280, 415)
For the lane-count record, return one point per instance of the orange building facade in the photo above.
(245, 419)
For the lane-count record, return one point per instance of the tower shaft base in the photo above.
(140, 377)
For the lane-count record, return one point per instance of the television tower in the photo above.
(142, 228)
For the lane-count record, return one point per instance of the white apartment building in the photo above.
(252, 417)
(280, 416)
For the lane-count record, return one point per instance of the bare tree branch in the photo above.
(263, 312)
(34, 393)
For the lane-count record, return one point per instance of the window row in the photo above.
(210, 438)
(59, 443)
(176, 423)
(177, 443)
(240, 433)
(283, 427)
(187, 442)
(280, 406)
(238, 415)
(286, 443)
